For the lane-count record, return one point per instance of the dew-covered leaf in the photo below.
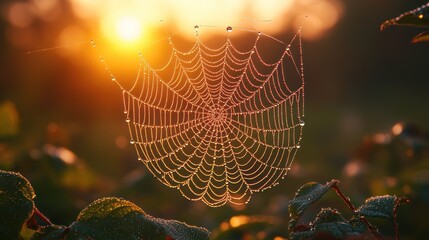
(416, 17)
(179, 230)
(51, 232)
(306, 195)
(304, 235)
(108, 207)
(328, 215)
(380, 206)
(331, 222)
(358, 225)
(422, 37)
(16, 203)
(114, 218)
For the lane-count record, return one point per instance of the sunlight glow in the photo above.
(267, 16)
(128, 29)
(135, 24)
(123, 29)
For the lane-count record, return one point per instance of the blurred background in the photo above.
(62, 125)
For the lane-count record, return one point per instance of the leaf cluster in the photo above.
(116, 218)
(330, 224)
(106, 218)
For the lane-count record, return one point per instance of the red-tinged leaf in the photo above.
(302, 228)
(422, 37)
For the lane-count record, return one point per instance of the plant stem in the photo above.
(398, 202)
(395, 224)
(345, 199)
(370, 227)
(41, 216)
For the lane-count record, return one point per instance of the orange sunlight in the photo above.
(128, 29)
(132, 24)
(123, 31)
(270, 17)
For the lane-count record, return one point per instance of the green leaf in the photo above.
(301, 235)
(16, 203)
(416, 17)
(328, 215)
(358, 225)
(114, 218)
(8, 120)
(51, 232)
(381, 206)
(422, 37)
(331, 222)
(307, 195)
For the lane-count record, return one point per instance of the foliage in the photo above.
(8, 120)
(106, 218)
(393, 161)
(418, 17)
(330, 224)
(115, 218)
(306, 195)
(16, 203)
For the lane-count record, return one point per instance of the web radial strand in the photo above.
(219, 123)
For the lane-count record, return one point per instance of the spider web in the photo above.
(221, 122)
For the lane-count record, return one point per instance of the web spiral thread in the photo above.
(218, 123)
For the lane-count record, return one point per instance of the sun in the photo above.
(128, 29)
(124, 31)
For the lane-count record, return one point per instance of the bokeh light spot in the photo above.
(397, 129)
(20, 15)
(237, 221)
